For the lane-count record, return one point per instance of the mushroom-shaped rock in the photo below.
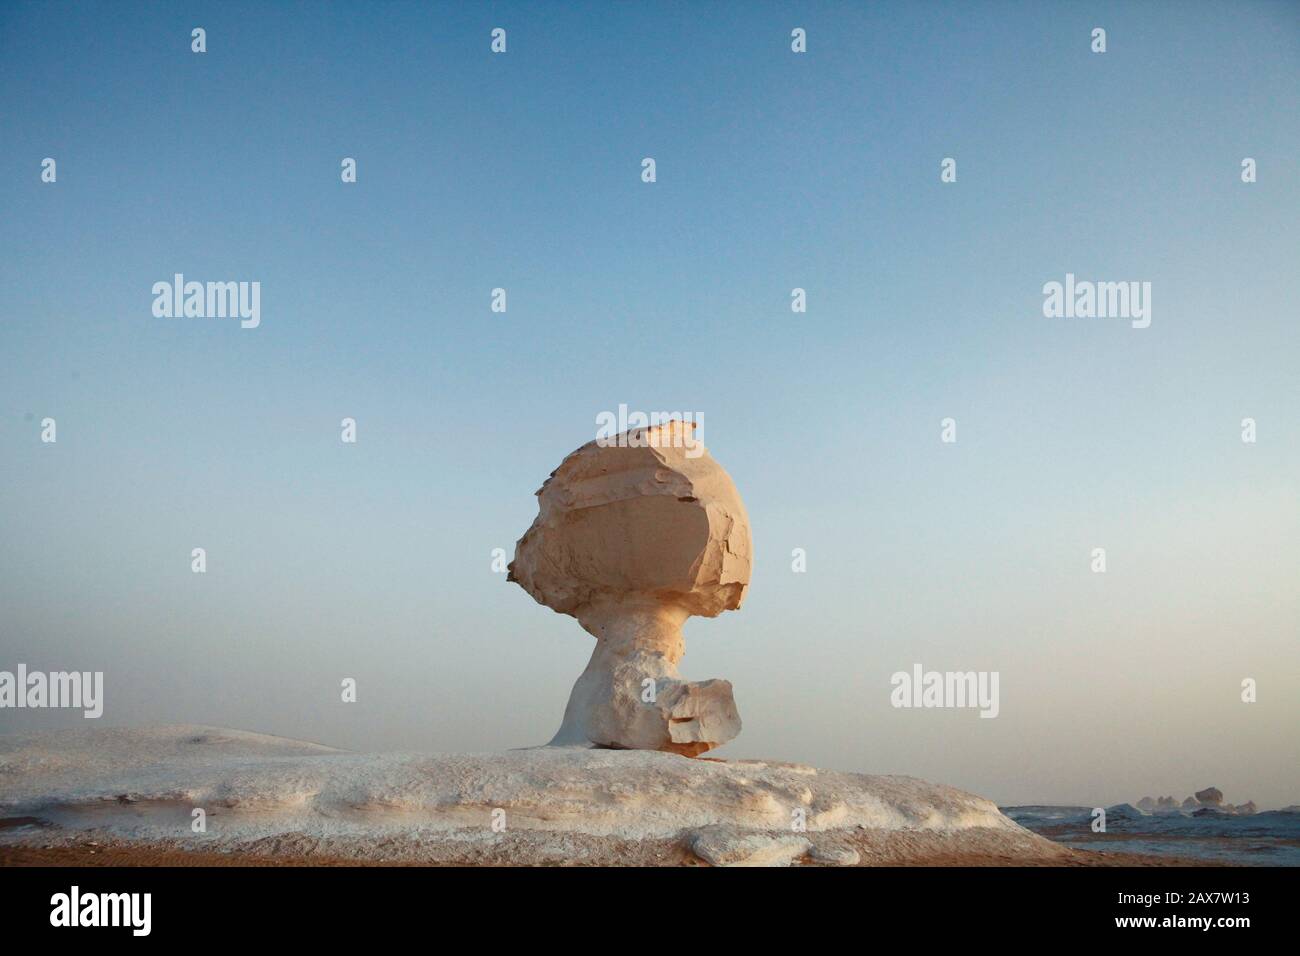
(635, 534)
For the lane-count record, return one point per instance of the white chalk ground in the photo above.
(272, 795)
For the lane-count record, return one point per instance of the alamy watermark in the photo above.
(1084, 299)
(57, 689)
(208, 300)
(922, 688)
(75, 908)
(631, 429)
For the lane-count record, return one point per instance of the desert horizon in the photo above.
(554, 447)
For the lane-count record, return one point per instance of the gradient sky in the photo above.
(775, 170)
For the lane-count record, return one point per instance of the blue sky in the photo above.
(775, 171)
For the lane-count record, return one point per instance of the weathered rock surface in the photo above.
(272, 796)
(632, 538)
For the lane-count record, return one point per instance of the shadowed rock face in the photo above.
(632, 538)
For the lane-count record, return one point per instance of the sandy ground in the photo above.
(875, 851)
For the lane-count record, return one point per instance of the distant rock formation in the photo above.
(1209, 797)
(635, 534)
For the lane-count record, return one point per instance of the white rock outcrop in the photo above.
(632, 537)
(272, 796)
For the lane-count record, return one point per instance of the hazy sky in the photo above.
(775, 170)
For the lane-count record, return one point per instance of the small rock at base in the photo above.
(728, 846)
(835, 854)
